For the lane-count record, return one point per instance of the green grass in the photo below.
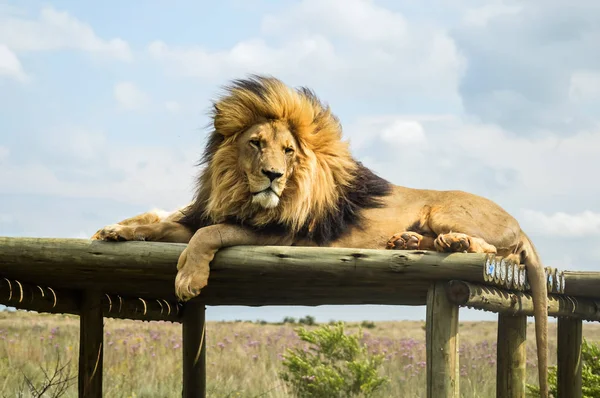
(143, 359)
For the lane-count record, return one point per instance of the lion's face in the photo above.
(275, 156)
(267, 153)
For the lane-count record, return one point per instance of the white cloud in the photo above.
(357, 48)
(528, 64)
(76, 143)
(404, 132)
(563, 224)
(4, 153)
(585, 86)
(129, 97)
(480, 16)
(157, 177)
(57, 30)
(246, 56)
(172, 106)
(10, 65)
(359, 20)
(449, 152)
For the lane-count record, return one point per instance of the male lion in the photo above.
(278, 173)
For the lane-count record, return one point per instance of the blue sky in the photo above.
(103, 107)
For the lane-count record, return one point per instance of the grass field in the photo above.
(143, 359)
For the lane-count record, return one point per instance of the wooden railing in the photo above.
(135, 280)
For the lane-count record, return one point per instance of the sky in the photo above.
(104, 108)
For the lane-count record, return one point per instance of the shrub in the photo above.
(307, 320)
(335, 365)
(590, 373)
(289, 319)
(368, 324)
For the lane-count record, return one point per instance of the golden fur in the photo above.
(278, 173)
(323, 164)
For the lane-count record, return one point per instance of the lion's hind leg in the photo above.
(454, 242)
(155, 225)
(410, 240)
(123, 230)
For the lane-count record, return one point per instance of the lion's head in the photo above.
(276, 157)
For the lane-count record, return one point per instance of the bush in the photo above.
(289, 319)
(334, 365)
(590, 373)
(368, 324)
(307, 320)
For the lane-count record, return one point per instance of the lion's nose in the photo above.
(272, 175)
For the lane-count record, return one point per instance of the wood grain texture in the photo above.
(511, 372)
(441, 335)
(569, 358)
(91, 345)
(194, 350)
(24, 296)
(250, 275)
(489, 298)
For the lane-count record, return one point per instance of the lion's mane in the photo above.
(327, 189)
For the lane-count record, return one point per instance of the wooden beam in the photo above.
(511, 356)
(569, 358)
(251, 275)
(194, 350)
(91, 345)
(582, 283)
(287, 275)
(489, 298)
(442, 344)
(24, 296)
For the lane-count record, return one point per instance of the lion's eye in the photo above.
(255, 143)
(289, 150)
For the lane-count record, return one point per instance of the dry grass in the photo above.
(143, 359)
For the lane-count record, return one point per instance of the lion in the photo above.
(277, 172)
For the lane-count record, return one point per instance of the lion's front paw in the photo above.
(404, 241)
(192, 275)
(115, 233)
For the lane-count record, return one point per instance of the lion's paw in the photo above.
(114, 233)
(453, 242)
(191, 277)
(404, 241)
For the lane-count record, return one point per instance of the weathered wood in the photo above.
(287, 275)
(91, 345)
(441, 336)
(24, 296)
(489, 298)
(250, 275)
(194, 350)
(582, 283)
(569, 358)
(511, 356)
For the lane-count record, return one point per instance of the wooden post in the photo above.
(194, 350)
(569, 358)
(91, 345)
(442, 344)
(511, 356)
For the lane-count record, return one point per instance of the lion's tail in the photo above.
(539, 294)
